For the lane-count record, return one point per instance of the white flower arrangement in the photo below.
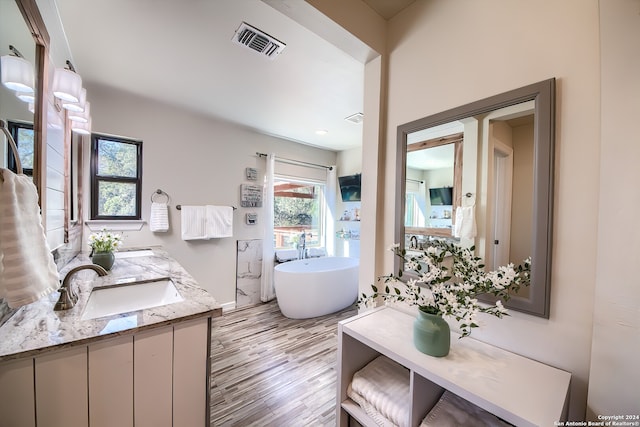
(448, 278)
(105, 241)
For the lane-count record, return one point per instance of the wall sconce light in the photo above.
(81, 128)
(17, 73)
(67, 84)
(81, 116)
(77, 107)
(26, 96)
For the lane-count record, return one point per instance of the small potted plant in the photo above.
(103, 245)
(446, 280)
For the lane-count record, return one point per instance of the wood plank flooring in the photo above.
(268, 370)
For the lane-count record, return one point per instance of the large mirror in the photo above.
(493, 161)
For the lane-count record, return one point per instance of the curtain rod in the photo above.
(296, 162)
(415, 180)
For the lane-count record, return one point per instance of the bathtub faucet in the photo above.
(302, 246)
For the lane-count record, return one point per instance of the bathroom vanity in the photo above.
(147, 367)
(519, 390)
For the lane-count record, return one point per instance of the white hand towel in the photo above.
(194, 223)
(159, 218)
(465, 226)
(219, 221)
(27, 269)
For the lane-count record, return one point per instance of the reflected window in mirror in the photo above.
(23, 135)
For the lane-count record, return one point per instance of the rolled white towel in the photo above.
(159, 218)
(284, 255)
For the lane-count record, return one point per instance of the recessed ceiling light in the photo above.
(322, 132)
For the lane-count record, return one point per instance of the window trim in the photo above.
(14, 128)
(95, 179)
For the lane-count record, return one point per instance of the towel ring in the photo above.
(159, 193)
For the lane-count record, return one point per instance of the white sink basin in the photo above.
(134, 253)
(130, 297)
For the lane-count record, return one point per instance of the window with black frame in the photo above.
(22, 134)
(116, 177)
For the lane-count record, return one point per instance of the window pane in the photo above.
(117, 159)
(297, 208)
(25, 147)
(116, 199)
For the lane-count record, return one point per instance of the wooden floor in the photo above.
(268, 370)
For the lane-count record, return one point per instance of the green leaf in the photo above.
(375, 289)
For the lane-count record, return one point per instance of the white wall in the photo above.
(614, 376)
(446, 53)
(196, 160)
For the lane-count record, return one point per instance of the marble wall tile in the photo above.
(248, 272)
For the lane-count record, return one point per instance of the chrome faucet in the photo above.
(68, 297)
(302, 246)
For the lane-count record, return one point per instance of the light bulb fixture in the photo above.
(26, 96)
(81, 128)
(67, 84)
(77, 107)
(16, 72)
(83, 116)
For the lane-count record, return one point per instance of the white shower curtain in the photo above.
(330, 202)
(267, 290)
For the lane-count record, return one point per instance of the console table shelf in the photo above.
(519, 390)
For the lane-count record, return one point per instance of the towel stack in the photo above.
(206, 222)
(382, 390)
(452, 411)
(159, 218)
(27, 269)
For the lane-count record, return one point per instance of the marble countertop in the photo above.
(37, 328)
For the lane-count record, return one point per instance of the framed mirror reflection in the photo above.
(482, 175)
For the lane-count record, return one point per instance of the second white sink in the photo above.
(130, 297)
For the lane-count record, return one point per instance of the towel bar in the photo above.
(179, 207)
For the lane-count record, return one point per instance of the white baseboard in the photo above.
(228, 306)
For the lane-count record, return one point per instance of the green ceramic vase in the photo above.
(104, 259)
(431, 334)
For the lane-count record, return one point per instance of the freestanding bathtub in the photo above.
(316, 286)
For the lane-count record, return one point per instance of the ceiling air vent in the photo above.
(355, 118)
(257, 40)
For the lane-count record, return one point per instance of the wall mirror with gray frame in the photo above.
(496, 157)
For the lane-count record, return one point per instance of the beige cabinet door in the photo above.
(111, 383)
(17, 398)
(61, 388)
(152, 378)
(190, 379)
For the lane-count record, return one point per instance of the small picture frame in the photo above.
(250, 196)
(251, 174)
